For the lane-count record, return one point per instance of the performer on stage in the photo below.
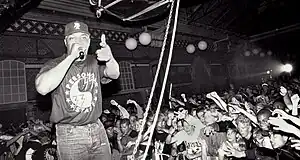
(74, 80)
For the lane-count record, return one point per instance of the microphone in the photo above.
(81, 53)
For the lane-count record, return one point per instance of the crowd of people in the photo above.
(31, 140)
(258, 122)
(253, 122)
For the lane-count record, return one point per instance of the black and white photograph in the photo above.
(149, 80)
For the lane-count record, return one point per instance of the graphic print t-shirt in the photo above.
(77, 100)
(192, 144)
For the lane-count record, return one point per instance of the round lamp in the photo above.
(202, 45)
(255, 51)
(131, 43)
(269, 53)
(145, 38)
(287, 68)
(190, 48)
(247, 53)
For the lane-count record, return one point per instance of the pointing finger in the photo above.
(103, 41)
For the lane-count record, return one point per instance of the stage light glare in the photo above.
(287, 68)
(268, 72)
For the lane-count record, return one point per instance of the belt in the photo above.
(94, 124)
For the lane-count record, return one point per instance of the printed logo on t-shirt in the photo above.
(81, 92)
(193, 147)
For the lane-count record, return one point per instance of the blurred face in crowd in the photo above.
(179, 126)
(275, 85)
(118, 124)
(209, 117)
(115, 112)
(194, 96)
(258, 137)
(132, 119)
(278, 140)
(272, 92)
(249, 91)
(110, 132)
(231, 135)
(231, 86)
(244, 129)
(259, 107)
(160, 124)
(187, 127)
(278, 105)
(263, 122)
(125, 128)
(213, 109)
(133, 122)
(150, 120)
(199, 97)
(139, 124)
(265, 88)
(200, 115)
(103, 118)
(231, 92)
(290, 93)
(170, 115)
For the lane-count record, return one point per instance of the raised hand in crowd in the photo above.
(238, 109)
(183, 97)
(281, 125)
(172, 99)
(114, 103)
(282, 114)
(283, 91)
(181, 114)
(130, 101)
(217, 99)
(286, 97)
(231, 151)
(295, 101)
(296, 144)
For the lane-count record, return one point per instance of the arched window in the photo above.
(126, 77)
(12, 82)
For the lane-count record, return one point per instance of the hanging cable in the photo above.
(154, 81)
(164, 81)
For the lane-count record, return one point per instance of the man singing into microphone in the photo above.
(74, 80)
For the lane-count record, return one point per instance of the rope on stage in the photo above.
(155, 81)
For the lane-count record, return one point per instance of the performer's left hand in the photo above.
(104, 53)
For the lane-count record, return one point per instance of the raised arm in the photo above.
(177, 101)
(51, 76)
(285, 115)
(244, 112)
(104, 54)
(123, 111)
(217, 99)
(286, 98)
(139, 109)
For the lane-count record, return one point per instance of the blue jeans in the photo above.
(87, 142)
